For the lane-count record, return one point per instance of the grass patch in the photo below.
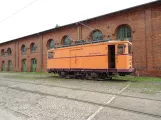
(35, 73)
(45, 75)
(21, 77)
(145, 85)
(27, 75)
(139, 79)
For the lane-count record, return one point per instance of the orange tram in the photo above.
(96, 60)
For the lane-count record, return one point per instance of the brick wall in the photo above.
(6, 58)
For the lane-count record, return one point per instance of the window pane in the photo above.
(50, 55)
(2, 52)
(97, 35)
(24, 49)
(124, 33)
(67, 41)
(33, 47)
(120, 49)
(51, 44)
(9, 51)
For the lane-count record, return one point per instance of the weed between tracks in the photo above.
(27, 75)
(145, 85)
(137, 79)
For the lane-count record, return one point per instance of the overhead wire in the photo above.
(91, 28)
(18, 11)
(34, 2)
(87, 26)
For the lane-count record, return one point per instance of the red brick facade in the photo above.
(144, 22)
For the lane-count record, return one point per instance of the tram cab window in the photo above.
(129, 49)
(50, 55)
(120, 49)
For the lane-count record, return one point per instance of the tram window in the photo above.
(50, 55)
(120, 49)
(129, 49)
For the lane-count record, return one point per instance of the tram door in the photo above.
(111, 56)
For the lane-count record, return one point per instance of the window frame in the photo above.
(51, 46)
(2, 53)
(100, 37)
(50, 55)
(124, 33)
(32, 47)
(68, 43)
(123, 49)
(23, 49)
(9, 52)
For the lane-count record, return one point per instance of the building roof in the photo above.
(131, 8)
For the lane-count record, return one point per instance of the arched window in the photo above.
(124, 33)
(97, 35)
(9, 51)
(23, 49)
(33, 47)
(66, 40)
(51, 44)
(2, 52)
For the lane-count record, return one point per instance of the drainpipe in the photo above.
(15, 60)
(41, 50)
(18, 58)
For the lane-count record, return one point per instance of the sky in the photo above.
(20, 18)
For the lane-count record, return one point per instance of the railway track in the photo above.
(78, 100)
(64, 97)
(79, 89)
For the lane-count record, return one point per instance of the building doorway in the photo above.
(24, 66)
(3, 66)
(9, 65)
(33, 64)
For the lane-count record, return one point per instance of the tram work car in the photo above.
(98, 60)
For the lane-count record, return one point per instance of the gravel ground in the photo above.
(52, 98)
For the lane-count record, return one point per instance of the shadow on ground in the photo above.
(105, 80)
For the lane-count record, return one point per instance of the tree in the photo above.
(56, 26)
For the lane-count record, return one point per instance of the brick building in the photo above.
(140, 24)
